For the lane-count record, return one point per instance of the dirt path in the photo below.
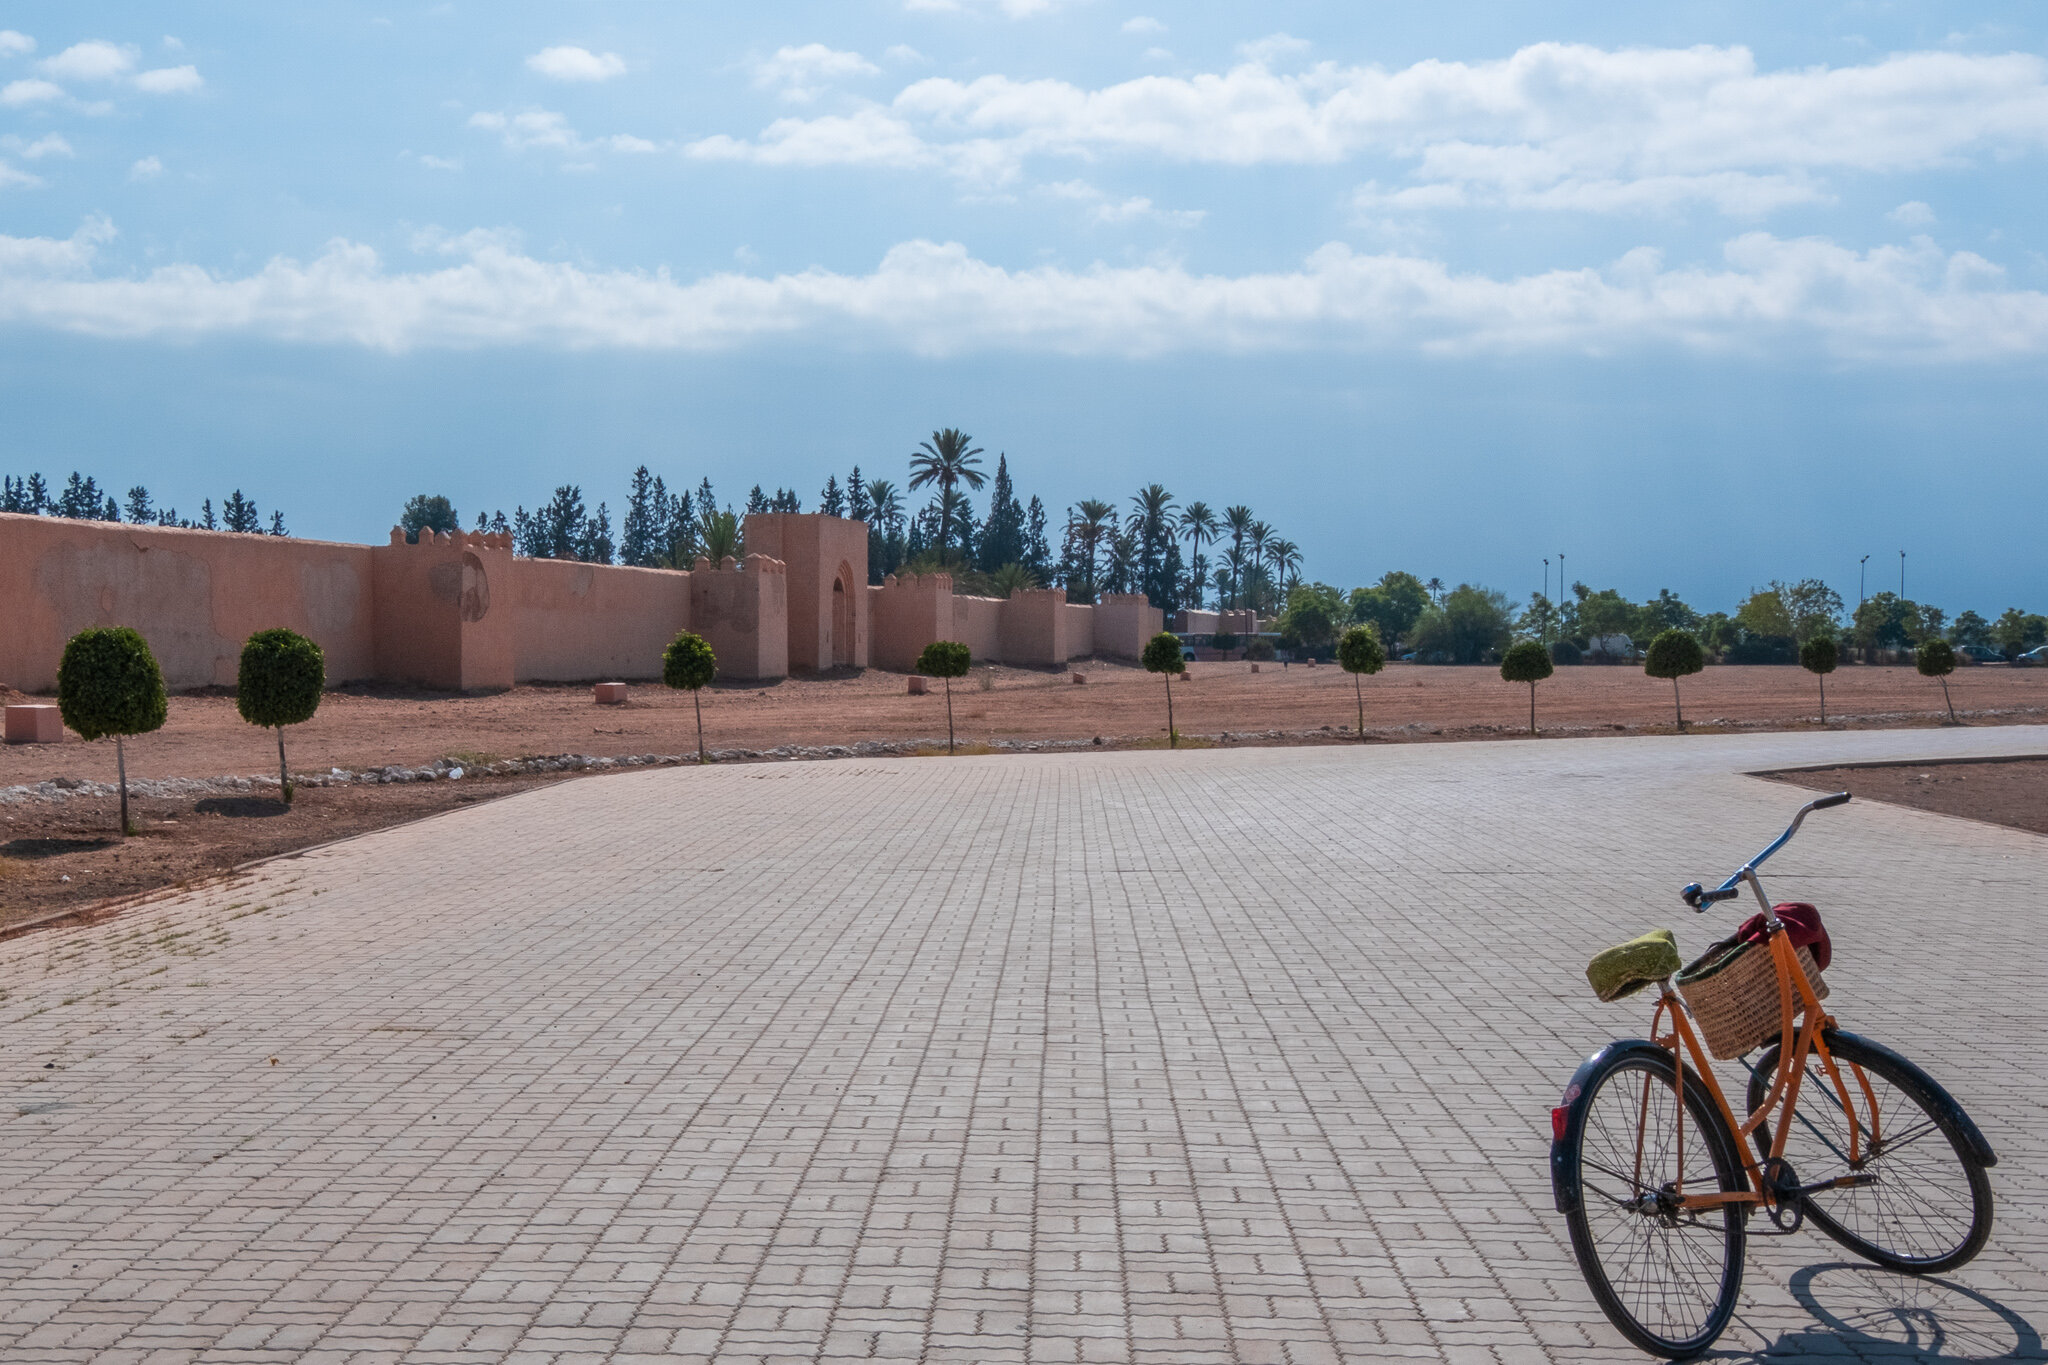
(57, 854)
(2012, 793)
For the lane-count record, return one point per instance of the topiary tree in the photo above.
(1937, 659)
(1675, 654)
(946, 659)
(1359, 652)
(689, 663)
(1162, 656)
(1819, 656)
(108, 684)
(281, 678)
(1527, 661)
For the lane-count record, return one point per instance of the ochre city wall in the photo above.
(195, 595)
(457, 611)
(576, 622)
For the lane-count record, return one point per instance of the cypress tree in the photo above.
(831, 501)
(1002, 536)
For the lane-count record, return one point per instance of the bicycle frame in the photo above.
(1798, 1006)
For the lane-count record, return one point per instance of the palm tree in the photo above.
(1093, 518)
(1435, 588)
(946, 461)
(1286, 556)
(1238, 520)
(887, 505)
(1151, 526)
(719, 533)
(1258, 541)
(1199, 525)
(1011, 578)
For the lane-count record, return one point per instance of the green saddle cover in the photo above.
(1628, 967)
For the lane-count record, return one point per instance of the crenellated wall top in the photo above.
(751, 564)
(483, 540)
(941, 583)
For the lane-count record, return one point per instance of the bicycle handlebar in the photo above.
(1699, 898)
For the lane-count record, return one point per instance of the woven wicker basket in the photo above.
(1732, 991)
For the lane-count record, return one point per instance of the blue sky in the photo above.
(1700, 295)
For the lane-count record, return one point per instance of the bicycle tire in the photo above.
(1668, 1281)
(1935, 1214)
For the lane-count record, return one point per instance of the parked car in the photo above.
(2034, 658)
(1980, 654)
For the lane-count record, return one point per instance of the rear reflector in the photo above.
(1558, 1118)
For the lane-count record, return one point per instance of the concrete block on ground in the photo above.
(610, 694)
(919, 686)
(1078, 677)
(34, 725)
(1255, 668)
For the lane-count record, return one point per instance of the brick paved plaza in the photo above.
(1208, 1056)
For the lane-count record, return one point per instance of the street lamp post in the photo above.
(1902, 575)
(1862, 569)
(1546, 597)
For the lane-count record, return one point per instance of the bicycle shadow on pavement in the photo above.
(1863, 1313)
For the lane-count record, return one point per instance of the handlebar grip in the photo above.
(1839, 798)
(1699, 898)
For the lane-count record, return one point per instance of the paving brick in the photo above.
(1212, 1056)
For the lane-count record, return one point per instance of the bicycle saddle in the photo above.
(1627, 967)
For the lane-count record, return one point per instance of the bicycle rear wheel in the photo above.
(1922, 1201)
(1666, 1277)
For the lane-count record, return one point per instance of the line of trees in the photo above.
(992, 550)
(82, 499)
(1473, 624)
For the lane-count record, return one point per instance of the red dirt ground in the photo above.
(2013, 793)
(44, 844)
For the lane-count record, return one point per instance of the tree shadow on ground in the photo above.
(1863, 1313)
(52, 848)
(242, 807)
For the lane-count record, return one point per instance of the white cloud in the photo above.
(546, 130)
(149, 168)
(801, 74)
(1143, 23)
(15, 94)
(1102, 209)
(576, 64)
(904, 55)
(173, 44)
(13, 44)
(170, 80)
(1558, 126)
(49, 144)
(439, 163)
(1913, 214)
(1766, 295)
(10, 178)
(93, 60)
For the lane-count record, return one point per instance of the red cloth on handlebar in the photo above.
(1802, 922)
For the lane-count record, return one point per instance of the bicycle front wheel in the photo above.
(1916, 1198)
(1667, 1277)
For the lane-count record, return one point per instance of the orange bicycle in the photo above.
(1653, 1170)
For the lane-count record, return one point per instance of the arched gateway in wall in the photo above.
(844, 627)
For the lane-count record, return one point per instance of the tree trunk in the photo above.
(284, 782)
(1532, 708)
(949, 715)
(121, 767)
(1172, 737)
(1676, 704)
(1823, 697)
(1951, 703)
(1358, 685)
(697, 696)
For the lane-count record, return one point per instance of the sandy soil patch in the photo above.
(59, 854)
(2011, 792)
